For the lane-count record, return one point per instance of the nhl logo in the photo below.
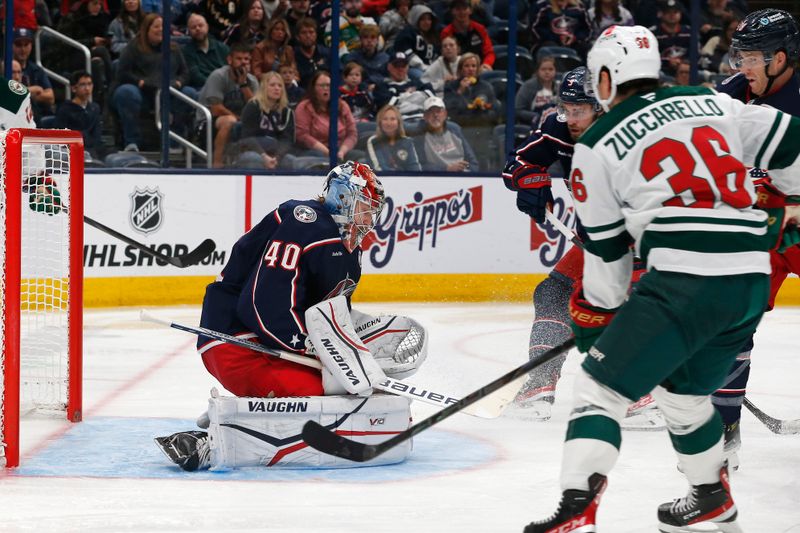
(146, 213)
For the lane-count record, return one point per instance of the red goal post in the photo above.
(41, 261)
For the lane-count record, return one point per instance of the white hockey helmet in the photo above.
(628, 53)
(354, 197)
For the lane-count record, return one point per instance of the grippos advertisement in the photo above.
(429, 224)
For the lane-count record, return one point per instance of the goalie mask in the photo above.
(354, 197)
(627, 53)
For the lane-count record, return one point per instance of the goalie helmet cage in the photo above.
(41, 298)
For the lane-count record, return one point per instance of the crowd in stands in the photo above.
(423, 83)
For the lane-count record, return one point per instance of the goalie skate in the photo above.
(190, 450)
(706, 508)
(644, 415)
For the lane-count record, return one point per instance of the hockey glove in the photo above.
(532, 183)
(782, 230)
(588, 321)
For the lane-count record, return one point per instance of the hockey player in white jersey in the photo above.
(15, 105)
(664, 170)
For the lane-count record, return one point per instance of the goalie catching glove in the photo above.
(588, 321)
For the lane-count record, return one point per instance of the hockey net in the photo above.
(41, 216)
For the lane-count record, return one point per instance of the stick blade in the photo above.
(195, 256)
(322, 439)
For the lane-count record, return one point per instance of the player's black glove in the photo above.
(534, 202)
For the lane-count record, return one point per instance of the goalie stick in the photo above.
(776, 425)
(180, 261)
(327, 441)
(490, 408)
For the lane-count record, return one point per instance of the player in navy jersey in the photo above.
(765, 48)
(300, 254)
(527, 173)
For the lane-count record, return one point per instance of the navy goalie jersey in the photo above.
(293, 259)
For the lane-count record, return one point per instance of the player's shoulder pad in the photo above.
(557, 128)
(307, 220)
(735, 86)
(12, 94)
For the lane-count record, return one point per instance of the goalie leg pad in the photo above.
(398, 343)
(267, 431)
(339, 348)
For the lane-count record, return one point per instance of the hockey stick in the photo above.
(323, 439)
(775, 425)
(488, 409)
(563, 229)
(180, 261)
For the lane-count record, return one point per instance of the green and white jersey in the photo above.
(15, 105)
(667, 172)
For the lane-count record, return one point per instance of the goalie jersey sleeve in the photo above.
(292, 259)
(659, 171)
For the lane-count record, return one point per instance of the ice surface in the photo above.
(465, 475)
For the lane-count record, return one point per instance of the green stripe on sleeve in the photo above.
(610, 249)
(788, 148)
(768, 140)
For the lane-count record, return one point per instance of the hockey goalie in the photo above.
(287, 286)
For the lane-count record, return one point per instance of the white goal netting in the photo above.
(43, 309)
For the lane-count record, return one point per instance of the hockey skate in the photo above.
(533, 403)
(190, 450)
(733, 442)
(706, 508)
(644, 415)
(576, 511)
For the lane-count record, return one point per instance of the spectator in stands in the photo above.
(252, 26)
(350, 22)
(714, 55)
(221, 15)
(389, 148)
(83, 115)
(407, 94)
(674, 38)
(298, 9)
(562, 23)
(442, 146)
(308, 55)
(268, 122)
(368, 56)
(537, 94)
(225, 93)
(420, 40)
(203, 54)
(354, 92)
(473, 106)
(125, 26)
(88, 25)
(139, 77)
(682, 73)
(312, 119)
(33, 76)
(394, 20)
(275, 8)
(471, 36)
(714, 18)
(294, 93)
(607, 13)
(24, 15)
(445, 67)
(16, 70)
(274, 50)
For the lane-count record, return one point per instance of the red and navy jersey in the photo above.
(293, 259)
(552, 142)
(786, 98)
